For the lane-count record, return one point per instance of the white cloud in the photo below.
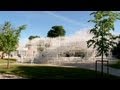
(66, 19)
(80, 35)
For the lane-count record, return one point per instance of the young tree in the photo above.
(56, 31)
(103, 40)
(9, 38)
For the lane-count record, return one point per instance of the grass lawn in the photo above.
(116, 65)
(49, 72)
(52, 72)
(3, 61)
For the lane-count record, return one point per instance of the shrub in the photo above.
(40, 49)
(80, 53)
(74, 53)
(47, 45)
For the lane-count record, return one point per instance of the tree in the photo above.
(56, 31)
(103, 40)
(32, 37)
(9, 38)
(1, 45)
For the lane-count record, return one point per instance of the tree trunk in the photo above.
(8, 62)
(102, 55)
(102, 65)
(2, 56)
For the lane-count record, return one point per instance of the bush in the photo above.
(40, 49)
(47, 45)
(74, 53)
(79, 54)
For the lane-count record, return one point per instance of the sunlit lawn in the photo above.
(4, 61)
(51, 72)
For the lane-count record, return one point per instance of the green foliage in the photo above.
(41, 49)
(32, 37)
(80, 54)
(103, 40)
(56, 31)
(74, 53)
(9, 38)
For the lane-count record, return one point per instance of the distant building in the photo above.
(43, 50)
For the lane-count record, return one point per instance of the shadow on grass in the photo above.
(48, 72)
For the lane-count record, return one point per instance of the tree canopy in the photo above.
(32, 37)
(103, 40)
(56, 31)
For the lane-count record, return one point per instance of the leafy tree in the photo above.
(56, 31)
(32, 37)
(9, 38)
(103, 40)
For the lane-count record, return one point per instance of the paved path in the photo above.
(91, 66)
(8, 76)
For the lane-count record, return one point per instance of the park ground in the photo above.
(45, 71)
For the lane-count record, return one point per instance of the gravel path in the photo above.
(8, 76)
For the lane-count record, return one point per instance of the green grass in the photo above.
(3, 61)
(50, 72)
(116, 65)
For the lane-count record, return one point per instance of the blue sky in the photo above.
(40, 22)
